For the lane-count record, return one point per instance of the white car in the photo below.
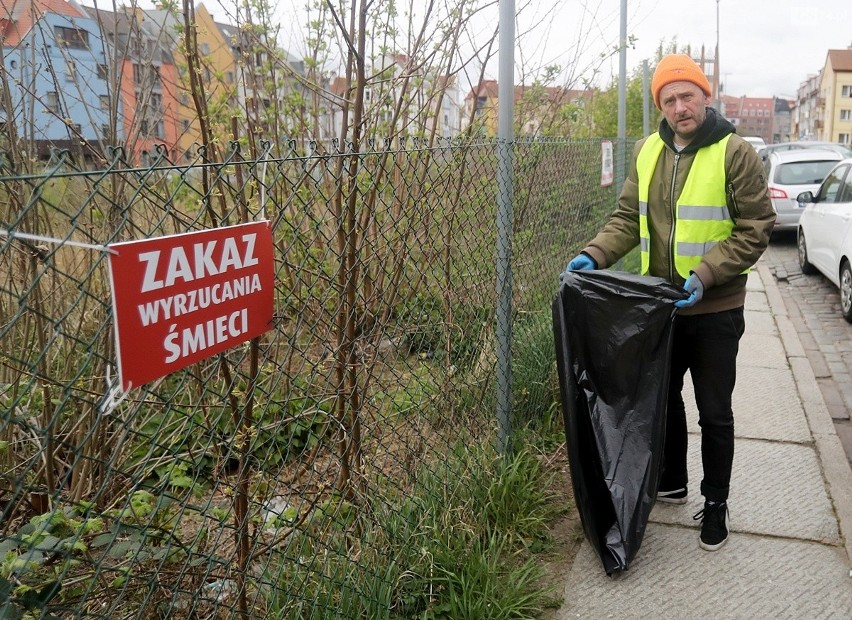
(825, 232)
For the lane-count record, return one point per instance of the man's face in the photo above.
(684, 106)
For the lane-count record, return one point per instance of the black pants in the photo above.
(706, 345)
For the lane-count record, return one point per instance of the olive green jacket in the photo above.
(721, 269)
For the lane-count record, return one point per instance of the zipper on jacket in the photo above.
(674, 220)
(734, 206)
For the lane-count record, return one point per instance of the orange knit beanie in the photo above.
(677, 68)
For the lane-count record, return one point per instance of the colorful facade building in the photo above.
(56, 70)
(145, 79)
(836, 96)
(215, 86)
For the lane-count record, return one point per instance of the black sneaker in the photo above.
(714, 525)
(672, 496)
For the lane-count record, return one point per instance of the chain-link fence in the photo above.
(286, 477)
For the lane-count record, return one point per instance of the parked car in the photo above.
(844, 150)
(788, 174)
(756, 141)
(825, 232)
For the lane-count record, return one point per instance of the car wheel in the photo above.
(846, 290)
(806, 267)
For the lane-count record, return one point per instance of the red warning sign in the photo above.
(183, 298)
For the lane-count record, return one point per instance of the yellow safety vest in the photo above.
(701, 213)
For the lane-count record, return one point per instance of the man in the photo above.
(696, 202)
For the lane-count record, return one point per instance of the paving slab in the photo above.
(756, 300)
(760, 322)
(761, 350)
(766, 405)
(777, 489)
(751, 577)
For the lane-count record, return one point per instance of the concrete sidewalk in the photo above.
(790, 549)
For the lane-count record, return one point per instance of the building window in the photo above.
(105, 132)
(843, 138)
(71, 37)
(70, 71)
(51, 101)
(845, 115)
(155, 103)
(229, 77)
(184, 125)
(148, 75)
(75, 128)
(184, 99)
(205, 48)
(104, 102)
(151, 130)
(103, 72)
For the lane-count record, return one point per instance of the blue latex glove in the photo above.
(695, 287)
(581, 262)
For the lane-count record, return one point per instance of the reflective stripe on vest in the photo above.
(702, 213)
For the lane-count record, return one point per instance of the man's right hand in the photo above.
(582, 262)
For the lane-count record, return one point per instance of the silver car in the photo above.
(789, 173)
(804, 144)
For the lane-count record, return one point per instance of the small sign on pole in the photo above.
(607, 167)
(183, 298)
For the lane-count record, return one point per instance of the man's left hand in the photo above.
(695, 287)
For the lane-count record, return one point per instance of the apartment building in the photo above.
(144, 79)
(409, 97)
(271, 93)
(835, 95)
(751, 115)
(536, 107)
(214, 68)
(782, 120)
(55, 61)
(806, 113)
(480, 108)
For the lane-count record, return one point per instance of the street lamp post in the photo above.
(716, 60)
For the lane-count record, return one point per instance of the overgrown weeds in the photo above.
(460, 547)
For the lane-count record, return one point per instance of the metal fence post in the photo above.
(505, 194)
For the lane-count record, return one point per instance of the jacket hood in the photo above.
(714, 128)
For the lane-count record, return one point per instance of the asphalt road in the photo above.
(813, 306)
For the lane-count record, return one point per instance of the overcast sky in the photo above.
(766, 47)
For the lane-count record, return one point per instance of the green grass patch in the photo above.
(461, 547)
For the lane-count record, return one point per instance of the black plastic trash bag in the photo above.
(613, 335)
